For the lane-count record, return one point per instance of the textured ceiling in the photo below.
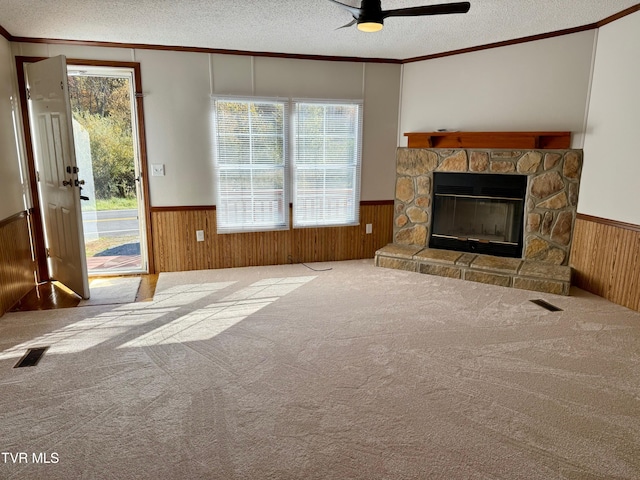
(305, 27)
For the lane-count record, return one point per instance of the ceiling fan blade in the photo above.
(355, 11)
(352, 22)
(442, 9)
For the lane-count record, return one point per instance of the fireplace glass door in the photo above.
(478, 213)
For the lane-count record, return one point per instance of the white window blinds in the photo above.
(326, 163)
(250, 155)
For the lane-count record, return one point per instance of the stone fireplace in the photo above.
(432, 197)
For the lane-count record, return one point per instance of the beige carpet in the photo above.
(353, 373)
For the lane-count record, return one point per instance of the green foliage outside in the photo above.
(102, 106)
(116, 203)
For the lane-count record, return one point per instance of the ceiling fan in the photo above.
(370, 15)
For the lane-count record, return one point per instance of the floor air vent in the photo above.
(32, 357)
(547, 305)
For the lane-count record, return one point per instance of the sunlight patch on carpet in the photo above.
(207, 322)
(112, 290)
(88, 332)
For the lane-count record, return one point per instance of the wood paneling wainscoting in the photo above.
(16, 264)
(605, 257)
(175, 247)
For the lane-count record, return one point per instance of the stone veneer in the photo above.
(550, 203)
(502, 271)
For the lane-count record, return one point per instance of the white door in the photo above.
(59, 184)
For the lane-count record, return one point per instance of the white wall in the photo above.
(177, 87)
(380, 124)
(534, 86)
(176, 109)
(11, 187)
(610, 186)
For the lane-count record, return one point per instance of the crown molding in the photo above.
(505, 43)
(144, 46)
(5, 34)
(619, 15)
(221, 51)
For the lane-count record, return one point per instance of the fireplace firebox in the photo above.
(477, 212)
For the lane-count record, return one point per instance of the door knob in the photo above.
(67, 183)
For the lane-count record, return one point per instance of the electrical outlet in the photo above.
(200, 235)
(157, 170)
(369, 228)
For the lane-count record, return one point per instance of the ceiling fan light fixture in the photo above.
(370, 26)
(370, 15)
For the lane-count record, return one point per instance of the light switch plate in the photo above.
(369, 228)
(157, 170)
(200, 235)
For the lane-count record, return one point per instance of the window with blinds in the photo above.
(250, 158)
(326, 162)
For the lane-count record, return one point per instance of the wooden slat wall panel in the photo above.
(16, 265)
(250, 249)
(606, 261)
(381, 217)
(174, 240)
(175, 247)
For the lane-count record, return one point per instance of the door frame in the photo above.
(39, 250)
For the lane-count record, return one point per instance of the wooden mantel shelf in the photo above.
(542, 140)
